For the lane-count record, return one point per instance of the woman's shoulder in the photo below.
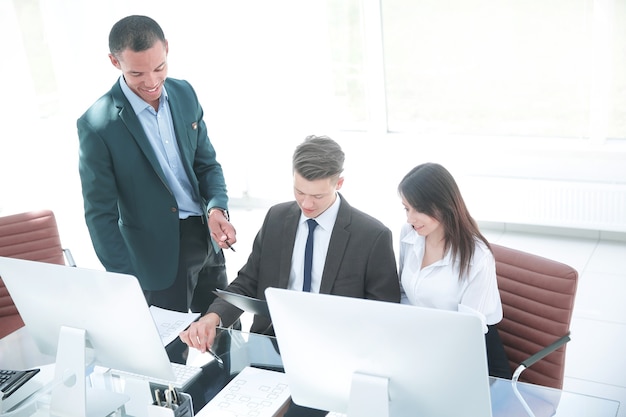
(481, 252)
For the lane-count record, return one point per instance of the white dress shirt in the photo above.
(321, 240)
(438, 285)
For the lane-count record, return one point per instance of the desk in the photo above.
(241, 349)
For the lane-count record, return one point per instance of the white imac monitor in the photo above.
(86, 317)
(371, 358)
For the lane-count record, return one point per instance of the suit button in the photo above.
(174, 209)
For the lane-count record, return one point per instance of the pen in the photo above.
(175, 399)
(229, 245)
(217, 358)
(168, 398)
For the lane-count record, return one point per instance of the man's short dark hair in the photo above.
(318, 157)
(137, 33)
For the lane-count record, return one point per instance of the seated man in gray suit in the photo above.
(352, 252)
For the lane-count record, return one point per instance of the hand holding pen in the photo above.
(222, 231)
(229, 245)
(217, 358)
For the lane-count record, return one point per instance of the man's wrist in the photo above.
(219, 209)
(211, 318)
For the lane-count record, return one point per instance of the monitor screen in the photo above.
(373, 358)
(104, 312)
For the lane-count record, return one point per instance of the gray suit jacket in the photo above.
(360, 261)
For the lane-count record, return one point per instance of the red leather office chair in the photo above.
(33, 236)
(537, 301)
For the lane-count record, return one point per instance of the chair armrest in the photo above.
(540, 355)
(69, 257)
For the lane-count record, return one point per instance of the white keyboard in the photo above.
(185, 374)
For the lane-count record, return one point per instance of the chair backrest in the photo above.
(32, 236)
(537, 301)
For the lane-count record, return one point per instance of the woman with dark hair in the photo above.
(445, 262)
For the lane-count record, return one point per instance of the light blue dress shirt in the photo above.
(159, 129)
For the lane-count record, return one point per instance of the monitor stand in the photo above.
(369, 396)
(71, 397)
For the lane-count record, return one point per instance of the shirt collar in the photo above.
(411, 237)
(136, 102)
(328, 217)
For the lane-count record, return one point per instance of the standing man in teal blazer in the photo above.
(154, 194)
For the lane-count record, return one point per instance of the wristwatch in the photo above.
(224, 212)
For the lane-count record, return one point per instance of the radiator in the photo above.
(580, 205)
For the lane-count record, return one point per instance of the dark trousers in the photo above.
(200, 271)
(496, 356)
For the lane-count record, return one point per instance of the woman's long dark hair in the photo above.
(430, 189)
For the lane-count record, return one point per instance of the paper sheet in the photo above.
(170, 323)
(254, 392)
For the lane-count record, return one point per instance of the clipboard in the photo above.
(248, 304)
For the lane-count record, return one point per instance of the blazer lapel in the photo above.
(181, 137)
(289, 226)
(337, 246)
(130, 119)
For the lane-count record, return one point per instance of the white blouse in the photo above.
(438, 284)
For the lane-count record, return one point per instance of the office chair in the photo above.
(32, 236)
(537, 302)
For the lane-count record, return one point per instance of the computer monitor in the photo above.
(372, 358)
(86, 317)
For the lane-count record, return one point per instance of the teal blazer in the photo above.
(131, 214)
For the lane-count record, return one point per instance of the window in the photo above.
(514, 68)
(617, 115)
(507, 68)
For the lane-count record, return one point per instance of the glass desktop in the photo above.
(240, 349)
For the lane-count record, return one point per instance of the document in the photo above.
(170, 323)
(254, 391)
